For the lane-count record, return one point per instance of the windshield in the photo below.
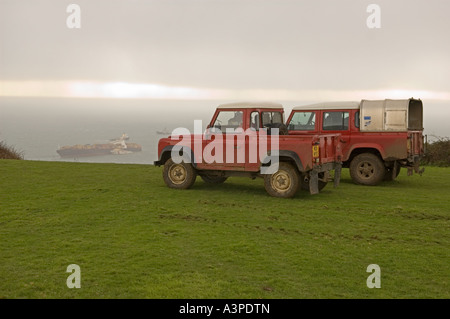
(303, 121)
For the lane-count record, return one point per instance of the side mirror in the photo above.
(207, 133)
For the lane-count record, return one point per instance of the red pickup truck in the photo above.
(249, 139)
(378, 136)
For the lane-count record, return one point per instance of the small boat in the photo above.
(164, 132)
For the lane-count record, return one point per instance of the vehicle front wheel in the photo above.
(283, 183)
(180, 176)
(367, 169)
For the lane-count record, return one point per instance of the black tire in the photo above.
(388, 175)
(179, 176)
(210, 179)
(283, 183)
(367, 169)
(305, 185)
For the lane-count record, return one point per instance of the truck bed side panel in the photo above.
(391, 146)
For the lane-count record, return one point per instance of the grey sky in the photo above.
(228, 44)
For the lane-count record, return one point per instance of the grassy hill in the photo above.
(135, 238)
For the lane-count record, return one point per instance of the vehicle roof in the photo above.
(329, 106)
(253, 105)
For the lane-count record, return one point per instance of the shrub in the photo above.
(9, 152)
(438, 152)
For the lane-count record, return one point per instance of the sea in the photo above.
(37, 127)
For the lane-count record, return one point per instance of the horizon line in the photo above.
(132, 90)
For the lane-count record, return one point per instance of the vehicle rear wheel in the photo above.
(284, 182)
(180, 176)
(210, 179)
(367, 169)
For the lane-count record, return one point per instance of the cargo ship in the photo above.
(116, 146)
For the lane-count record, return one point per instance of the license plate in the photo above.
(315, 150)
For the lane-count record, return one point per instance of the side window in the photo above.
(228, 119)
(254, 121)
(303, 121)
(271, 118)
(335, 121)
(357, 119)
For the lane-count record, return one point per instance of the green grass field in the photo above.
(135, 238)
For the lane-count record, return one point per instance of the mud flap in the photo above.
(394, 171)
(337, 175)
(415, 168)
(314, 182)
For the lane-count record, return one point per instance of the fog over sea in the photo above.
(38, 126)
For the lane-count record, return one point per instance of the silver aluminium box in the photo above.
(391, 115)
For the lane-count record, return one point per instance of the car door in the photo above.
(224, 141)
(337, 121)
